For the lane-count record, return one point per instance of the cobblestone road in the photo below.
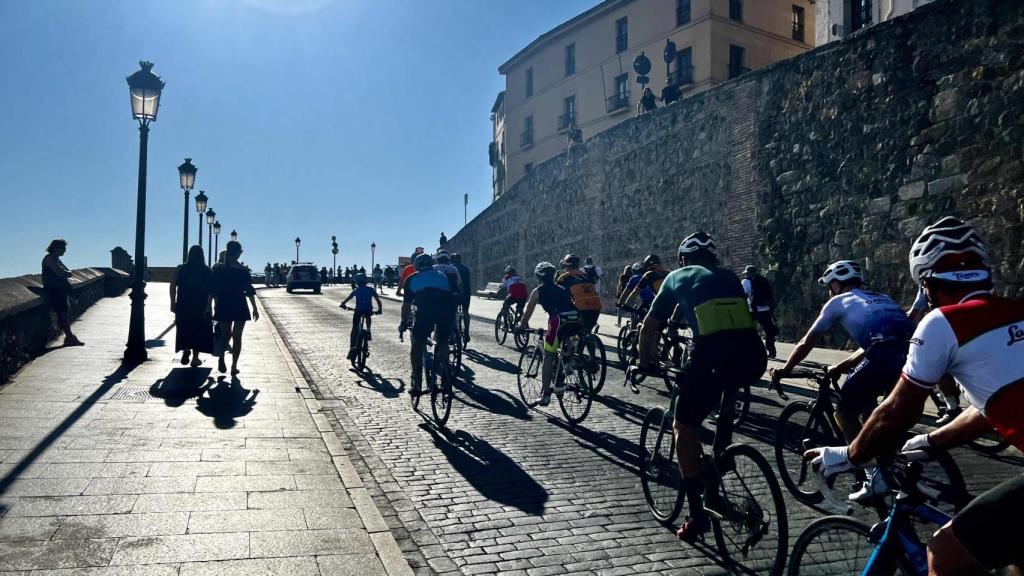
(509, 490)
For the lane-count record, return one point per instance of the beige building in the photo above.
(581, 72)
(837, 18)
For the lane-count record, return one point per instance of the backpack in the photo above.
(761, 291)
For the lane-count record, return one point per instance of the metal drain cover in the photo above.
(129, 394)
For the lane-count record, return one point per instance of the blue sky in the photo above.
(365, 119)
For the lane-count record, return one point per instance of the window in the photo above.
(529, 82)
(737, 55)
(736, 10)
(620, 99)
(568, 117)
(526, 139)
(683, 74)
(527, 167)
(860, 14)
(570, 59)
(682, 12)
(621, 35)
(798, 23)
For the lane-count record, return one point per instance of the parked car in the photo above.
(303, 276)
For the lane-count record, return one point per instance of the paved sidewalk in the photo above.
(165, 469)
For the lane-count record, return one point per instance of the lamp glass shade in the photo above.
(298, 241)
(145, 88)
(201, 202)
(216, 228)
(187, 174)
(234, 235)
(211, 216)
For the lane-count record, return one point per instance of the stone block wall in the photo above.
(847, 151)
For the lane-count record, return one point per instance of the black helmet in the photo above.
(570, 261)
(456, 257)
(698, 242)
(424, 262)
(442, 256)
(545, 272)
(652, 260)
(360, 279)
(510, 270)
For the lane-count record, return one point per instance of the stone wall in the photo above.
(843, 152)
(26, 322)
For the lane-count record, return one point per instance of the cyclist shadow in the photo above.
(626, 410)
(180, 385)
(496, 402)
(490, 471)
(492, 362)
(379, 383)
(226, 401)
(615, 449)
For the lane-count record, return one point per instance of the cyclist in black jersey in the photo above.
(563, 321)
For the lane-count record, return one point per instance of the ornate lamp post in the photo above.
(144, 88)
(297, 242)
(373, 255)
(187, 174)
(234, 236)
(211, 217)
(334, 252)
(201, 201)
(216, 236)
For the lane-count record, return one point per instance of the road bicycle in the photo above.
(362, 343)
(577, 394)
(439, 378)
(991, 443)
(741, 494)
(456, 343)
(805, 425)
(836, 545)
(506, 322)
(626, 341)
(594, 358)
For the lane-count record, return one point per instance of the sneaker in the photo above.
(693, 529)
(949, 416)
(873, 486)
(545, 399)
(184, 357)
(221, 366)
(196, 362)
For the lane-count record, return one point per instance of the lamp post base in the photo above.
(135, 351)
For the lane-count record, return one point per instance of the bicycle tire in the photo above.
(659, 473)
(791, 429)
(501, 328)
(455, 346)
(838, 545)
(745, 513)
(576, 399)
(441, 398)
(359, 361)
(991, 443)
(597, 361)
(619, 346)
(529, 377)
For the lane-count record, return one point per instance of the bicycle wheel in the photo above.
(441, 397)
(522, 339)
(529, 377)
(455, 347)
(839, 546)
(751, 526)
(619, 340)
(578, 395)
(740, 409)
(991, 443)
(501, 328)
(359, 361)
(595, 360)
(794, 433)
(659, 473)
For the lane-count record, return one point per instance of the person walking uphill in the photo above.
(57, 288)
(191, 290)
(232, 284)
(762, 305)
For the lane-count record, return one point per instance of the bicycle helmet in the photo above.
(570, 261)
(651, 261)
(442, 256)
(750, 270)
(456, 257)
(545, 272)
(842, 271)
(510, 270)
(637, 267)
(696, 242)
(360, 279)
(424, 262)
(949, 249)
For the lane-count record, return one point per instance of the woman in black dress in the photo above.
(190, 301)
(232, 285)
(56, 286)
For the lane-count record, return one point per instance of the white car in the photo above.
(303, 276)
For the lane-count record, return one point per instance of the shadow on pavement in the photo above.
(226, 401)
(623, 453)
(489, 470)
(492, 362)
(180, 384)
(494, 401)
(379, 383)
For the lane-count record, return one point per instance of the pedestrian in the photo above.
(323, 275)
(670, 93)
(762, 304)
(647, 103)
(378, 278)
(191, 290)
(627, 273)
(232, 284)
(57, 288)
(595, 272)
(575, 136)
(267, 270)
(443, 241)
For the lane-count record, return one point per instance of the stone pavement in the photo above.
(165, 469)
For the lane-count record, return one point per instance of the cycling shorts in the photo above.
(875, 376)
(431, 319)
(560, 327)
(990, 526)
(732, 358)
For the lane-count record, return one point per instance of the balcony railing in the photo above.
(737, 71)
(526, 139)
(566, 120)
(681, 76)
(618, 101)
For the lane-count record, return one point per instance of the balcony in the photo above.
(735, 71)
(618, 101)
(681, 76)
(526, 139)
(566, 120)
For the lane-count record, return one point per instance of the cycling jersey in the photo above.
(454, 279)
(980, 342)
(554, 299)
(427, 288)
(409, 270)
(710, 299)
(868, 317)
(653, 278)
(646, 294)
(515, 286)
(584, 296)
(364, 298)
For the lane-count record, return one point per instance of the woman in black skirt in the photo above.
(57, 287)
(232, 285)
(190, 301)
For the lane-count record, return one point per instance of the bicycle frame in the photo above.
(897, 539)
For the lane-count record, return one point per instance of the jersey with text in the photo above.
(868, 317)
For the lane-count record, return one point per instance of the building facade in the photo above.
(580, 74)
(835, 19)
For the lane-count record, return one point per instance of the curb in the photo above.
(384, 542)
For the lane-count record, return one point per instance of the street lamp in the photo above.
(373, 253)
(297, 242)
(211, 217)
(201, 200)
(234, 236)
(334, 252)
(187, 174)
(144, 88)
(216, 236)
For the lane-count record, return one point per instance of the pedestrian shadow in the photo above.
(180, 384)
(496, 402)
(379, 383)
(492, 362)
(226, 401)
(493, 474)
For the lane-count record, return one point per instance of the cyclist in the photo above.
(563, 322)
(979, 339)
(516, 292)
(444, 265)
(727, 351)
(880, 328)
(947, 387)
(467, 291)
(364, 296)
(409, 270)
(435, 312)
(581, 288)
(647, 293)
(627, 273)
(653, 275)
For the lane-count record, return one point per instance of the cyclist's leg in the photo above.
(445, 320)
(698, 394)
(465, 317)
(875, 376)
(520, 304)
(985, 535)
(355, 330)
(950, 393)
(551, 347)
(421, 330)
(369, 323)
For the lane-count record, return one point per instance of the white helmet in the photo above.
(545, 271)
(841, 271)
(696, 242)
(949, 236)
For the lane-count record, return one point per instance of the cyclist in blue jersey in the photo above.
(647, 293)
(435, 302)
(364, 296)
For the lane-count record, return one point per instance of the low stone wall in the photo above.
(26, 322)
